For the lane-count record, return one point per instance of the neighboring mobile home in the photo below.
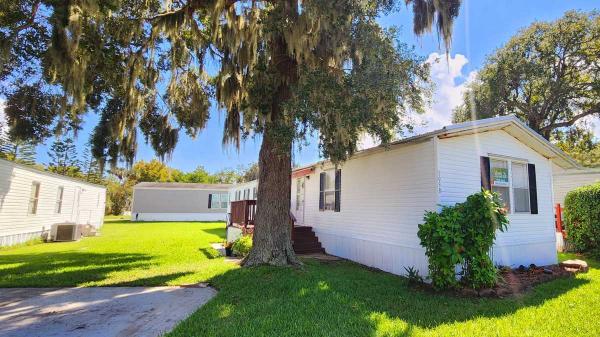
(180, 202)
(568, 180)
(368, 209)
(31, 201)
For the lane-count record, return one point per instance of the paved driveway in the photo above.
(97, 312)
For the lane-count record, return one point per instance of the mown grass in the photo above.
(169, 253)
(320, 299)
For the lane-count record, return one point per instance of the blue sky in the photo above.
(482, 27)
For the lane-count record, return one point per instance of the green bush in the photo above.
(241, 247)
(582, 218)
(463, 235)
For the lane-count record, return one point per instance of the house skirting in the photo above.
(15, 239)
(179, 216)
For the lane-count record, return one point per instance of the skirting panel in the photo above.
(178, 216)
(15, 239)
(541, 254)
(384, 256)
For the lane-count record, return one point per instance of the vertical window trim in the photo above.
(34, 199)
(59, 199)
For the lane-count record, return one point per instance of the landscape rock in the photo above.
(575, 265)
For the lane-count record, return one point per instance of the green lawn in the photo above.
(321, 299)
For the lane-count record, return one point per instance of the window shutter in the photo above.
(533, 203)
(338, 188)
(209, 200)
(321, 191)
(485, 173)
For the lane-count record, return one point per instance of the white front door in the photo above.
(300, 194)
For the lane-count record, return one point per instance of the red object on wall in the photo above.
(303, 172)
(559, 224)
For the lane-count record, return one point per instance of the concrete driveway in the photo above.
(97, 312)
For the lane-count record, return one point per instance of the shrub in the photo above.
(463, 235)
(241, 247)
(582, 218)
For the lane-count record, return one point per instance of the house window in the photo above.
(329, 190)
(34, 197)
(219, 200)
(254, 193)
(500, 180)
(59, 199)
(510, 179)
(520, 185)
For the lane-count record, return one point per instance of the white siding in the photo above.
(530, 237)
(384, 196)
(179, 216)
(15, 190)
(568, 180)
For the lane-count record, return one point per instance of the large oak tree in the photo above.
(548, 75)
(278, 69)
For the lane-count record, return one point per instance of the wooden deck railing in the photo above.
(243, 213)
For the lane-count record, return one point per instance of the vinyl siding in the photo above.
(15, 190)
(568, 180)
(165, 200)
(459, 176)
(384, 196)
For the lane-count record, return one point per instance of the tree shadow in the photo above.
(209, 253)
(342, 299)
(65, 268)
(215, 231)
(157, 280)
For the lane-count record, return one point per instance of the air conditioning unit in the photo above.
(66, 232)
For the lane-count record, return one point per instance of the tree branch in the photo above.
(30, 21)
(594, 110)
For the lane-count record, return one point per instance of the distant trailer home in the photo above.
(368, 209)
(180, 202)
(31, 201)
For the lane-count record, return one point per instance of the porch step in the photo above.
(305, 241)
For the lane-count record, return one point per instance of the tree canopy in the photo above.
(548, 75)
(280, 69)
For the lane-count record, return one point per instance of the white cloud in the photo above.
(450, 83)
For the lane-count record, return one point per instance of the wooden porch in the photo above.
(304, 239)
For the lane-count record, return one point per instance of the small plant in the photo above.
(413, 276)
(241, 247)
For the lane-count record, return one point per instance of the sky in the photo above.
(482, 27)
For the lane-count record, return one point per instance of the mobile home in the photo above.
(368, 208)
(31, 201)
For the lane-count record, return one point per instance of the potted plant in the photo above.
(228, 248)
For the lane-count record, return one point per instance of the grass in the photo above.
(320, 299)
(171, 253)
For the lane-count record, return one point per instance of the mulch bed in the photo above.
(514, 282)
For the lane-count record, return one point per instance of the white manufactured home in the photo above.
(31, 201)
(368, 209)
(180, 202)
(567, 180)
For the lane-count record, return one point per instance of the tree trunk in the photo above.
(273, 227)
(272, 241)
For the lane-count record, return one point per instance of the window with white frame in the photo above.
(34, 198)
(219, 200)
(329, 191)
(510, 179)
(254, 193)
(59, 199)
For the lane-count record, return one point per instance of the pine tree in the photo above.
(91, 168)
(63, 157)
(18, 151)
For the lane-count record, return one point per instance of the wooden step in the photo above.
(306, 241)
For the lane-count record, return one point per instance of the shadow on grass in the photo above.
(65, 268)
(152, 281)
(340, 299)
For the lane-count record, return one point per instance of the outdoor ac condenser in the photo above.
(65, 232)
